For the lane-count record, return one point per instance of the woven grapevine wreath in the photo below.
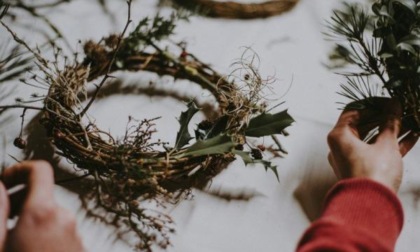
(234, 10)
(130, 173)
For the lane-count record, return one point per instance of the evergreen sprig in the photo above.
(151, 30)
(384, 44)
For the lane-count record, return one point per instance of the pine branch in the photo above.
(389, 50)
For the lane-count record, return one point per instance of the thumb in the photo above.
(4, 214)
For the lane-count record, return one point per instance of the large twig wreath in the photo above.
(131, 171)
(234, 10)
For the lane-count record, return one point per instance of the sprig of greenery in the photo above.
(384, 43)
(152, 30)
(353, 26)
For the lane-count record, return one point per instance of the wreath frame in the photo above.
(234, 10)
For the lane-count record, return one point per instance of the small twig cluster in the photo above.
(35, 10)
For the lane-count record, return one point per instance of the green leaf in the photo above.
(245, 156)
(218, 128)
(183, 136)
(386, 55)
(391, 41)
(376, 7)
(411, 40)
(268, 124)
(382, 32)
(383, 11)
(248, 160)
(409, 4)
(268, 165)
(406, 47)
(394, 84)
(217, 145)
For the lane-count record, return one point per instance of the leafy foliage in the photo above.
(183, 136)
(220, 144)
(151, 31)
(268, 124)
(385, 47)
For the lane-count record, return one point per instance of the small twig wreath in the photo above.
(129, 172)
(234, 10)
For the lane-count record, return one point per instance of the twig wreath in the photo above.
(383, 46)
(234, 10)
(134, 170)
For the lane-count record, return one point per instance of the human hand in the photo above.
(42, 224)
(379, 160)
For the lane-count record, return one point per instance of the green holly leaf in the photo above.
(248, 160)
(268, 124)
(245, 156)
(183, 136)
(218, 128)
(268, 165)
(217, 145)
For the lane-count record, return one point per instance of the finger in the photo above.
(361, 122)
(372, 112)
(331, 160)
(389, 131)
(345, 131)
(348, 118)
(37, 176)
(333, 165)
(408, 142)
(4, 213)
(367, 126)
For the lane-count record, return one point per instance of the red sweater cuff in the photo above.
(359, 215)
(367, 204)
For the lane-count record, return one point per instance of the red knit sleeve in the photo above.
(359, 215)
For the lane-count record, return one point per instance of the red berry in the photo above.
(19, 143)
(261, 147)
(183, 55)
